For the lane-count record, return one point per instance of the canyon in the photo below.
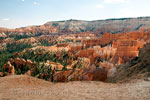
(108, 51)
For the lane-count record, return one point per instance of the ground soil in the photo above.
(23, 87)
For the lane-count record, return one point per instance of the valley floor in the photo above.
(24, 87)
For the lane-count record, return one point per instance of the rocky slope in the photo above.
(137, 67)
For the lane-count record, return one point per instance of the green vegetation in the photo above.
(18, 37)
(55, 24)
(78, 41)
(40, 56)
(78, 64)
(119, 19)
(4, 57)
(42, 71)
(21, 70)
(1, 38)
(6, 54)
(13, 47)
(66, 41)
(46, 43)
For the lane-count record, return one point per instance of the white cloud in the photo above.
(36, 3)
(5, 19)
(116, 1)
(99, 6)
(22, 0)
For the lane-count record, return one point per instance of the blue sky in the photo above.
(19, 13)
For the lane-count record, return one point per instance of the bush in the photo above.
(42, 71)
(18, 37)
(39, 56)
(46, 43)
(4, 57)
(6, 54)
(13, 47)
(21, 70)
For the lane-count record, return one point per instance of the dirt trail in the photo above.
(24, 87)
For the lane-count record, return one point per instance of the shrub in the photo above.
(42, 71)
(13, 47)
(21, 70)
(18, 37)
(6, 54)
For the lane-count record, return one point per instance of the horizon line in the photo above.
(119, 18)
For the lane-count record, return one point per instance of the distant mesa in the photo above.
(114, 25)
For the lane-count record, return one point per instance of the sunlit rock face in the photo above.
(14, 64)
(123, 47)
(9, 68)
(106, 39)
(54, 66)
(128, 46)
(126, 50)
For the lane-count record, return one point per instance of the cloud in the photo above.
(5, 19)
(116, 1)
(22, 0)
(99, 6)
(36, 3)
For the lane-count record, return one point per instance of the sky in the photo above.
(21, 13)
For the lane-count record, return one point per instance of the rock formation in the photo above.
(14, 64)
(121, 25)
(139, 66)
(91, 74)
(126, 50)
(9, 68)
